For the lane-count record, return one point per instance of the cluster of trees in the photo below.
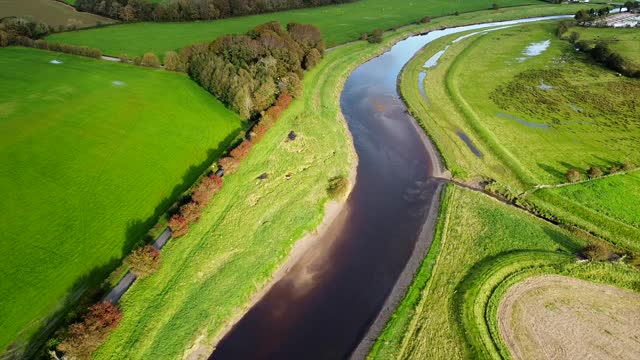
(248, 71)
(584, 16)
(374, 38)
(84, 337)
(24, 27)
(574, 175)
(190, 10)
(190, 212)
(27, 32)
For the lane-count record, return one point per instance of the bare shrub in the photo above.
(597, 251)
(595, 172)
(150, 60)
(573, 175)
(338, 187)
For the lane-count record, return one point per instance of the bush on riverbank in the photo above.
(85, 337)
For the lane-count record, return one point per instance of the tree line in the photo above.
(190, 10)
(248, 71)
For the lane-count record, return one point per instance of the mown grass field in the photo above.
(483, 248)
(532, 117)
(92, 153)
(208, 276)
(624, 41)
(339, 24)
(51, 12)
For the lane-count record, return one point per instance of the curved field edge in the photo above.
(475, 287)
(339, 24)
(615, 274)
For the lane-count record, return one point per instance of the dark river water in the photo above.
(324, 305)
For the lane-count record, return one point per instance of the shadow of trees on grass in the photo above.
(91, 287)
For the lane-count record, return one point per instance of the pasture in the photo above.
(534, 108)
(483, 248)
(50, 12)
(93, 152)
(338, 23)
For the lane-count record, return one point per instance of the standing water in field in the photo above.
(534, 49)
(326, 303)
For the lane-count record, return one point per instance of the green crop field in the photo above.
(92, 153)
(624, 41)
(532, 117)
(51, 12)
(483, 247)
(339, 24)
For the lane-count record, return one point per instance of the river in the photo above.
(325, 305)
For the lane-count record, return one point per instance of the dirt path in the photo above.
(558, 317)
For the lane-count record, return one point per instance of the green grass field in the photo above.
(51, 12)
(338, 23)
(624, 41)
(527, 134)
(483, 247)
(92, 153)
(607, 207)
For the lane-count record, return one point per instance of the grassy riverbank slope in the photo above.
(208, 276)
(92, 153)
(483, 247)
(338, 23)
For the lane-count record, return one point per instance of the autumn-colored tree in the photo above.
(86, 336)
(128, 13)
(376, 36)
(241, 151)
(150, 60)
(191, 212)
(179, 226)
(573, 175)
(205, 190)
(229, 164)
(312, 59)
(595, 172)
(144, 261)
(172, 61)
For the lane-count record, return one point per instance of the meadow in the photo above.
(93, 153)
(339, 24)
(532, 117)
(208, 276)
(52, 13)
(608, 207)
(484, 247)
(624, 41)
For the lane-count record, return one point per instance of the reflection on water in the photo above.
(469, 143)
(534, 49)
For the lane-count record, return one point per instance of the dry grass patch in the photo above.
(558, 317)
